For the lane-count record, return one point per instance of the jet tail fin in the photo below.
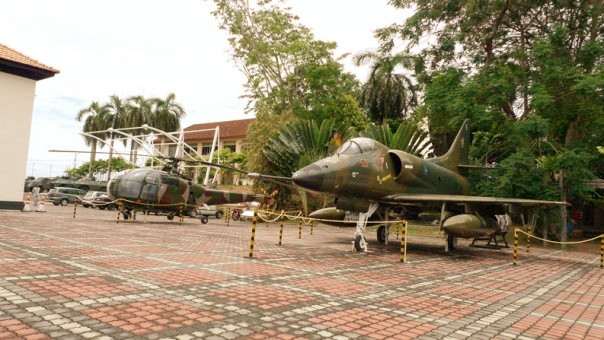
(458, 153)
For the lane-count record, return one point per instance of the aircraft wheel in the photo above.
(170, 217)
(219, 214)
(360, 244)
(204, 219)
(381, 234)
(126, 215)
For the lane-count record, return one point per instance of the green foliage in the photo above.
(100, 166)
(388, 94)
(299, 144)
(407, 137)
(530, 77)
(290, 74)
(519, 175)
(163, 114)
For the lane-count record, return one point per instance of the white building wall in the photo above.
(16, 105)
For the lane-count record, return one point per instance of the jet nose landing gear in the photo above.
(360, 243)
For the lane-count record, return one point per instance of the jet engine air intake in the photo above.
(396, 164)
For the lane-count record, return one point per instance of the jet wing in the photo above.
(430, 198)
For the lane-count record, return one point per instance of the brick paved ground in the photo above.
(93, 278)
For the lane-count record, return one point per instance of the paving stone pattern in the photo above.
(91, 278)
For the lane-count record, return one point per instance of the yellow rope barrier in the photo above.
(529, 236)
(307, 220)
(556, 242)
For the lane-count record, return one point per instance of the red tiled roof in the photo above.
(12, 55)
(228, 129)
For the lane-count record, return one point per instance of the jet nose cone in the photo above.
(310, 177)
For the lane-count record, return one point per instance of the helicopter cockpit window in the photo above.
(149, 192)
(349, 148)
(153, 177)
(130, 188)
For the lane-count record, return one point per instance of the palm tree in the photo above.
(95, 118)
(298, 144)
(387, 94)
(166, 113)
(407, 137)
(118, 112)
(139, 114)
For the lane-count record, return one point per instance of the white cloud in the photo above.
(151, 47)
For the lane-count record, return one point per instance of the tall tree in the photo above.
(139, 114)
(389, 93)
(95, 118)
(118, 111)
(166, 113)
(289, 72)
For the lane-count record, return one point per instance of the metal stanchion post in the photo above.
(312, 226)
(253, 238)
(528, 242)
(281, 234)
(515, 251)
(227, 216)
(398, 230)
(404, 243)
(75, 207)
(117, 219)
(134, 215)
(300, 230)
(602, 251)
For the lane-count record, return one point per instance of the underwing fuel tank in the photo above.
(332, 214)
(466, 226)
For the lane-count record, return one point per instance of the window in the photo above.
(231, 147)
(206, 149)
(172, 150)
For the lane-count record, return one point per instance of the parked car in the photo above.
(97, 199)
(64, 196)
(104, 202)
(210, 211)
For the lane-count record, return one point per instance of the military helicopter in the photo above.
(167, 191)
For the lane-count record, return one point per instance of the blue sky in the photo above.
(152, 48)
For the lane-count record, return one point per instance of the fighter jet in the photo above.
(377, 183)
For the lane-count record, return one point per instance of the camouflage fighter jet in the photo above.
(375, 182)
